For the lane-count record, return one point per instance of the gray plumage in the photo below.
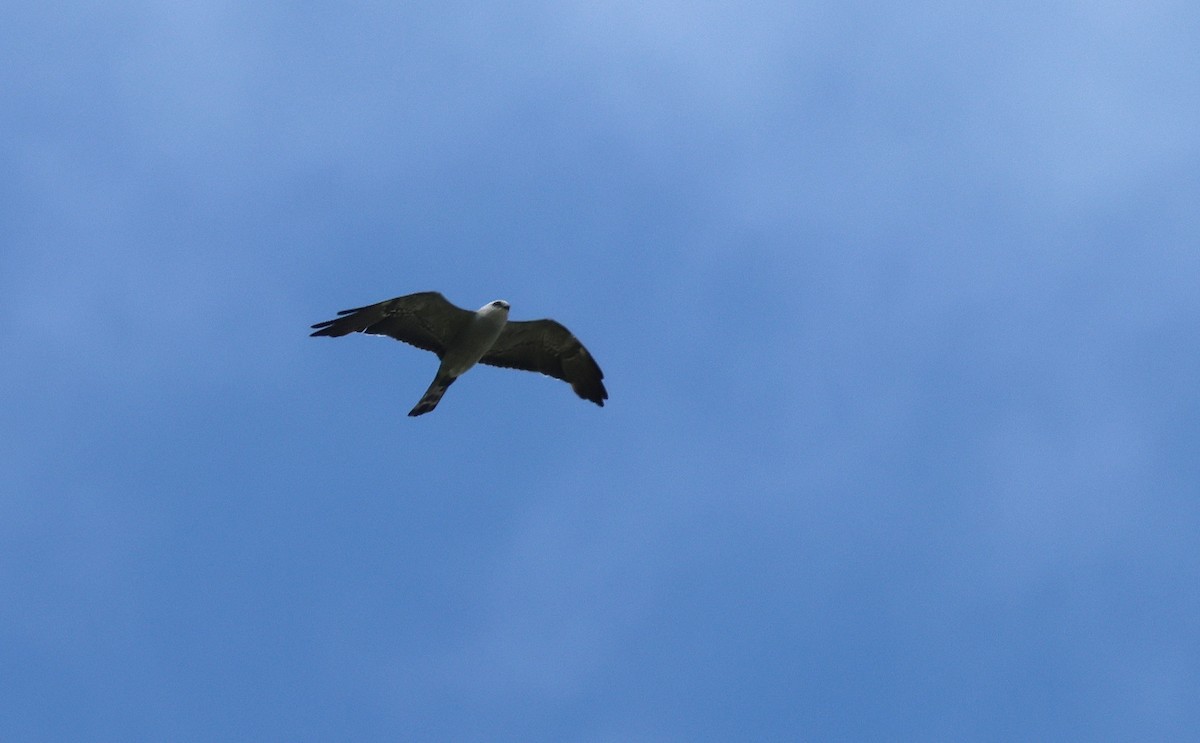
(461, 338)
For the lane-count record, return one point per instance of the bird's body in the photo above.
(476, 338)
(462, 338)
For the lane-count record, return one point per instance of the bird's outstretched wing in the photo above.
(426, 320)
(546, 346)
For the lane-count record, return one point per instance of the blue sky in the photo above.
(897, 305)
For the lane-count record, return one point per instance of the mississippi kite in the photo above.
(461, 338)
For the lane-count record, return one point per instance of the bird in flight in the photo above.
(461, 338)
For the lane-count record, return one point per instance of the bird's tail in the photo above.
(433, 395)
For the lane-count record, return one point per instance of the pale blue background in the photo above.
(899, 306)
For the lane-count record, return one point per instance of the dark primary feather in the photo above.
(546, 346)
(426, 320)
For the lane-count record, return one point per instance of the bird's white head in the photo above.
(498, 307)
